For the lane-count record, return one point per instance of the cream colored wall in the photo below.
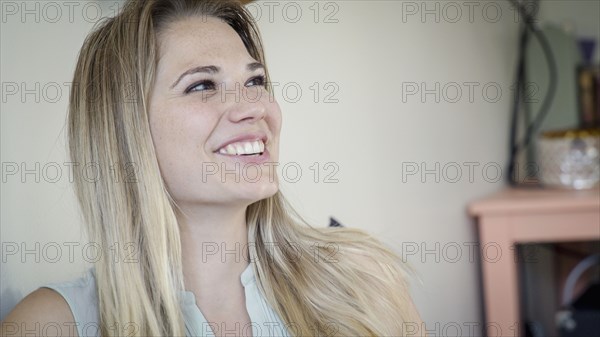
(372, 129)
(375, 55)
(578, 17)
(40, 228)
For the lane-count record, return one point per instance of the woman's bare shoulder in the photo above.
(42, 309)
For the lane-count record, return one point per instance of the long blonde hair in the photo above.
(332, 281)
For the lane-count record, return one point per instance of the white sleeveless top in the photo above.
(82, 298)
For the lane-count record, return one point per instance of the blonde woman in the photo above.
(176, 93)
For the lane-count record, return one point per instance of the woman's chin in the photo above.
(253, 192)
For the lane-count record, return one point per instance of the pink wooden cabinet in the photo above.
(527, 215)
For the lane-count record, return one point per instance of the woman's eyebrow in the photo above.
(214, 69)
(255, 65)
(201, 69)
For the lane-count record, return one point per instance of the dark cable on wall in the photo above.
(516, 147)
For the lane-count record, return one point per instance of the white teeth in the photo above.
(248, 148)
(239, 148)
(256, 147)
(231, 150)
(242, 148)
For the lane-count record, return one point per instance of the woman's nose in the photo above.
(247, 105)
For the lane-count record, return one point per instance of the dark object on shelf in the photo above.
(534, 329)
(334, 223)
(580, 318)
(588, 85)
(588, 95)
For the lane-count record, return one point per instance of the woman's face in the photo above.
(214, 126)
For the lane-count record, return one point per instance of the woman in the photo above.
(173, 100)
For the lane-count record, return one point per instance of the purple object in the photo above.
(587, 47)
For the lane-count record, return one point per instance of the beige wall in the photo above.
(374, 134)
(369, 57)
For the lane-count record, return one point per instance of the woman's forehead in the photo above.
(200, 39)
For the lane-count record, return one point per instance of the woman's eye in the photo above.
(201, 86)
(258, 80)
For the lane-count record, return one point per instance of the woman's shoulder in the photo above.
(64, 305)
(39, 310)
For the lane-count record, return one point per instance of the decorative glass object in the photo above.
(569, 158)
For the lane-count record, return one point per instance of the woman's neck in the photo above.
(214, 243)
